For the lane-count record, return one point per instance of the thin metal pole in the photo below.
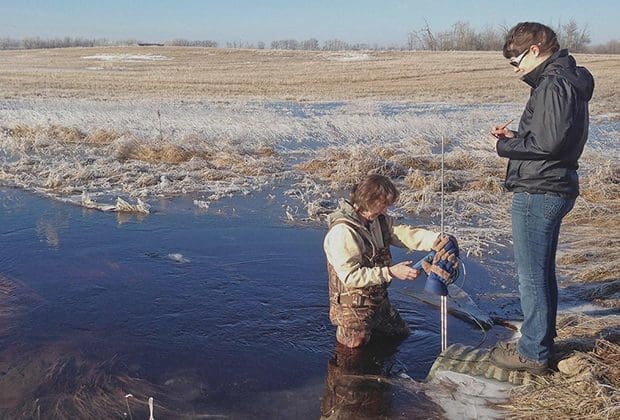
(444, 305)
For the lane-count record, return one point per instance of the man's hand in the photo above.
(403, 271)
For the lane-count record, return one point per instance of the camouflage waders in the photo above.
(358, 313)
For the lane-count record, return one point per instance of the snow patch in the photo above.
(350, 57)
(127, 58)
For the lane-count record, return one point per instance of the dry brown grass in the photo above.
(63, 134)
(101, 137)
(346, 166)
(59, 381)
(216, 163)
(591, 244)
(455, 77)
(587, 385)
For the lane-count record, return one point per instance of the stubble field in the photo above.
(176, 72)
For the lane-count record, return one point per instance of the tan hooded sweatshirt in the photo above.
(344, 247)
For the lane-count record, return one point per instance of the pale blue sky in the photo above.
(383, 22)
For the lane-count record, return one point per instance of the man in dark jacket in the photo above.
(542, 173)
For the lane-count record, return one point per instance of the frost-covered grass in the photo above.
(91, 151)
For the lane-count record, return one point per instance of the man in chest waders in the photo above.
(360, 266)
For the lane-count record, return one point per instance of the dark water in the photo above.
(239, 330)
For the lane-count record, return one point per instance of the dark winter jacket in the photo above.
(553, 129)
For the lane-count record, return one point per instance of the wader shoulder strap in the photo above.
(356, 229)
(385, 230)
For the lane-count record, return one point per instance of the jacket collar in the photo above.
(345, 211)
(534, 77)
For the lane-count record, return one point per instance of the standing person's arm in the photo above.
(551, 121)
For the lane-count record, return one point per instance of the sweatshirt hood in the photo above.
(344, 211)
(563, 65)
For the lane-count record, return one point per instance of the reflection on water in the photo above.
(358, 385)
(235, 324)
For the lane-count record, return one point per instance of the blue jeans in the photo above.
(536, 220)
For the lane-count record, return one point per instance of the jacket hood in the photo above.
(561, 64)
(345, 211)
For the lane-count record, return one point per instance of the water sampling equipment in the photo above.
(434, 283)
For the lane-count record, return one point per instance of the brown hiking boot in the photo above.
(506, 356)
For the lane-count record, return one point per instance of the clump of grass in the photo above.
(461, 160)
(418, 163)
(101, 137)
(602, 182)
(52, 132)
(21, 131)
(61, 384)
(63, 134)
(152, 152)
(344, 167)
(490, 184)
(214, 162)
(588, 381)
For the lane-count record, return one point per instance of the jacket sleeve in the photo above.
(344, 250)
(552, 119)
(413, 239)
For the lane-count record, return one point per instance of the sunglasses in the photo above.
(516, 61)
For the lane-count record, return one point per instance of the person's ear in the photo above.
(535, 50)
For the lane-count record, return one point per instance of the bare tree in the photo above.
(285, 44)
(335, 45)
(571, 36)
(9, 44)
(423, 39)
(311, 44)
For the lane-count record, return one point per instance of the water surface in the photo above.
(224, 312)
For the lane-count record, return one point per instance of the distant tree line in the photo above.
(187, 43)
(461, 36)
(313, 44)
(36, 42)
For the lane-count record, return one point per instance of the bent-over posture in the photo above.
(360, 266)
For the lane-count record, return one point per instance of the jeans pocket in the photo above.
(557, 207)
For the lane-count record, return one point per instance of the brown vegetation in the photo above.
(588, 382)
(63, 134)
(456, 77)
